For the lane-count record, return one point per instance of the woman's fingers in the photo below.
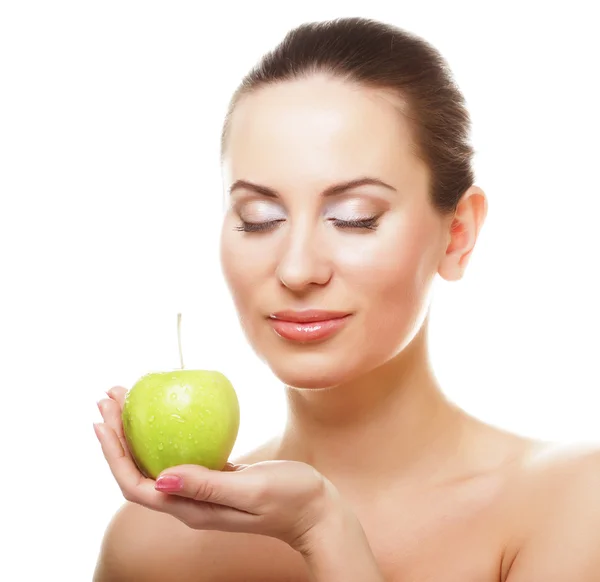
(141, 490)
(209, 516)
(234, 467)
(279, 498)
(111, 413)
(134, 486)
(282, 499)
(201, 484)
(239, 486)
(208, 501)
(118, 394)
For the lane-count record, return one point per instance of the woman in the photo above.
(348, 168)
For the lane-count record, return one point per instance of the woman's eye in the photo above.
(366, 223)
(353, 214)
(259, 216)
(257, 226)
(369, 223)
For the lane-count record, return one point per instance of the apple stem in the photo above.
(179, 338)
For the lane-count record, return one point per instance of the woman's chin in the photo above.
(313, 373)
(320, 365)
(302, 382)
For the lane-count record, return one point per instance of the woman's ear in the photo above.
(463, 229)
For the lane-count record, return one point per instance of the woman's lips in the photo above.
(307, 331)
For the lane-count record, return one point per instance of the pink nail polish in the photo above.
(169, 483)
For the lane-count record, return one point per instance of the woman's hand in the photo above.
(282, 499)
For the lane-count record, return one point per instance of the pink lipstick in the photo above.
(308, 325)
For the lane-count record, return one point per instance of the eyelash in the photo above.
(368, 223)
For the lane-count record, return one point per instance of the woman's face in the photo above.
(301, 250)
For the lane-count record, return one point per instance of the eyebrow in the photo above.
(329, 191)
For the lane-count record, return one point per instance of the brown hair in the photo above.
(382, 56)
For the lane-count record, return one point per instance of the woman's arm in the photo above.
(338, 549)
(287, 500)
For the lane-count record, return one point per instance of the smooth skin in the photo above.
(393, 481)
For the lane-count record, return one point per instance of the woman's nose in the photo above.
(304, 261)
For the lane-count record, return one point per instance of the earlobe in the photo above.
(451, 269)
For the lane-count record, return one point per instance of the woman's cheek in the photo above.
(232, 260)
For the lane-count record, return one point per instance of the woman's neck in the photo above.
(389, 425)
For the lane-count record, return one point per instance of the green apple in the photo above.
(181, 417)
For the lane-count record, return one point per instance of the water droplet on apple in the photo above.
(151, 419)
(177, 417)
(176, 446)
(160, 446)
(195, 441)
(190, 436)
(173, 396)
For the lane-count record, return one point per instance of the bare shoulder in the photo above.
(555, 501)
(556, 474)
(141, 544)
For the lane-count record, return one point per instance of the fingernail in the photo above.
(169, 483)
(234, 467)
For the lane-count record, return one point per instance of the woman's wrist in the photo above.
(336, 548)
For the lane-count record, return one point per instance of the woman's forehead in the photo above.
(318, 124)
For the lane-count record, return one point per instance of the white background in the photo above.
(111, 201)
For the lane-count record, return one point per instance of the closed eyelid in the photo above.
(354, 206)
(262, 209)
(347, 207)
